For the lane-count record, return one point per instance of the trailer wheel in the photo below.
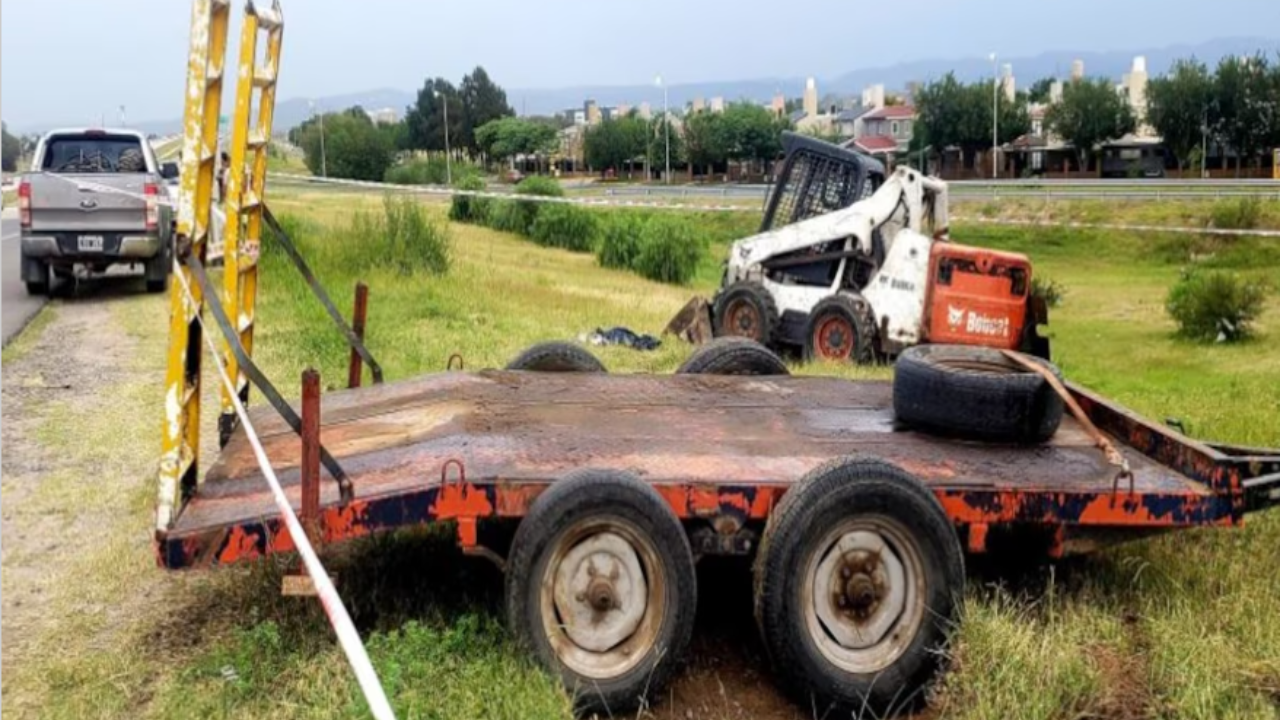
(556, 357)
(733, 356)
(857, 581)
(746, 309)
(600, 586)
(839, 331)
(974, 392)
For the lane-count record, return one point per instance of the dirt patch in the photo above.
(1126, 675)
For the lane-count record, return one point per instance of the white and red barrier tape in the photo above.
(339, 618)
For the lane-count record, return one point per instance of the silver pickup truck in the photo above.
(94, 199)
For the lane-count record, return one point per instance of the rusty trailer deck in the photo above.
(712, 446)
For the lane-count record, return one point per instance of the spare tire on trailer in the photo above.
(556, 356)
(976, 393)
(733, 356)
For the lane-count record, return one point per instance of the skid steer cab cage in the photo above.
(473, 446)
(817, 177)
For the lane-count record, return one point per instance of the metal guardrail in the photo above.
(1002, 189)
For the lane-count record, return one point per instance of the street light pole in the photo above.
(324, 162)
(448, 159)
(666, 127)
(995, 118)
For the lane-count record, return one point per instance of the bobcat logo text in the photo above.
(977, 323)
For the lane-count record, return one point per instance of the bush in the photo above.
(433, 170)
(1051, 290)
(620, 240)
(507, 216)
(670, 250)
(403, 238)
(465, 208)
(1240, 214)
(565, 226)
(1215, 305)
(539, 185)
(526, 211)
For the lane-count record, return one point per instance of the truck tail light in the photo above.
(152, 192)
(24, 204)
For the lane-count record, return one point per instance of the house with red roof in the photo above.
(886, 131)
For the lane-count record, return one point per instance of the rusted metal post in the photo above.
(357, 326)
(310, 466)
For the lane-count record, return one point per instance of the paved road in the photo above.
(16, 306)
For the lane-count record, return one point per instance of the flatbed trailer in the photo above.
(609, 487)
(721, 450)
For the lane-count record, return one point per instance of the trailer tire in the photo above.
(557, 356)
(745, 309)
(733, 356)
(874, 542)
(975, 393)
(595, 524)
(839, 329)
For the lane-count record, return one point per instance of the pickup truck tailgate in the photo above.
(82, 203)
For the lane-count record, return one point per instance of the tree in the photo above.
(11, 149)
(1178, 107)
(952, 114)
(1091, 112)
(1040, 89)
(707, 140)
(510, 136)
(482, 102)
(352, 146)
(753, 133)
(659, 131)
(425, 118)
(615, 142)
(1245, 105)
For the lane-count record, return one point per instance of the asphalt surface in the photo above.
(16, 306)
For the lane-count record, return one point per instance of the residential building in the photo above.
(699, 104)
(385, 116)
(592, 112)
(646, 112)
(1133, 87)
(779, 104)
(887, 130)
(811, 98)
(717, 104)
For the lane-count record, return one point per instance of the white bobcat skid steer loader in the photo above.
(842, 285)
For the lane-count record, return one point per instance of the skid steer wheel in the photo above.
(600, 586)
(975, 393)
(733, 356)
(556, 357)
(857, 582)
(746, 309)
(839, 330)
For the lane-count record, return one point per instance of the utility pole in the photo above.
(324, 163)
(995, 118)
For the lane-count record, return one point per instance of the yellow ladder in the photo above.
(210, 21)
(244, 204)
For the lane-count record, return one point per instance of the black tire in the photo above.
(828, 505)
(556, 357)
(37, 289)
(745, 309)
(733, 356)
(840, 329)
(975, 393)
(580, 508)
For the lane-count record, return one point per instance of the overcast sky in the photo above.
(69, 60)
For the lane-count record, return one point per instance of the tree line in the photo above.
(1235, 106)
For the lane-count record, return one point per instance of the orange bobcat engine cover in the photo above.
(977, 296)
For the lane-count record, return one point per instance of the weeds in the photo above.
(432, 170)
(1215, 305)
(621, 240)
(468, 208)
(670, 250)
(1239, 214)
(565, 226)
(1046, 287)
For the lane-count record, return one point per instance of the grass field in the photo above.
(1185, 626)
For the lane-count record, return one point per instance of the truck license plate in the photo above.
(90, 243)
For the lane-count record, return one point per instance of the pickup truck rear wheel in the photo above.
(600, 587)
(35, 275)
(857, 582)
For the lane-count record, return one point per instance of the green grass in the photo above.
(1183, 626)
(10, 198)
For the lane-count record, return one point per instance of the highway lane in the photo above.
(16, 307)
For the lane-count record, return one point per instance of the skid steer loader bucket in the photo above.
(693, 323)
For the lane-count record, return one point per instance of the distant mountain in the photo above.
(1027, 70)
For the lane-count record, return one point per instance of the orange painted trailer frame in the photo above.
(477, 446)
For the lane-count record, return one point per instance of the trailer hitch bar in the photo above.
(1109, 450)
(256, 376)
